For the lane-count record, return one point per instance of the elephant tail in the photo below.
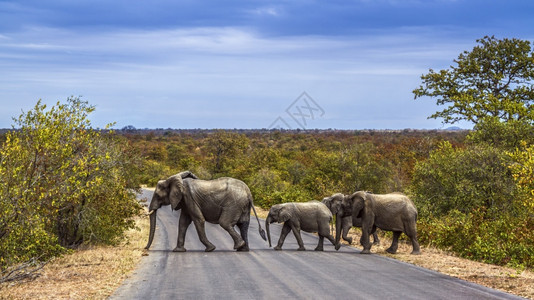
(262, 232)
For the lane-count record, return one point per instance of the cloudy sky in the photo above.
(242, 64)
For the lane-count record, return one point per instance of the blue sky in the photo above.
(242, 64)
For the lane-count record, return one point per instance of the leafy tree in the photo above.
(180, 158)
(63, 183)
(224, 147)
(494, 79)
(348, 170)
(508, 135)
(464, 179)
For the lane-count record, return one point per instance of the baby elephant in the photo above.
(312, 216)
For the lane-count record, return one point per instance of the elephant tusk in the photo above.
(151, 212)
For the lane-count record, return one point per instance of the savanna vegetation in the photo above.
(64, 183)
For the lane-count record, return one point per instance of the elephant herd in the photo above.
(227, 201)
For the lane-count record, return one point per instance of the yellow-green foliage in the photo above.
(523, 174)
(478, 201)
(505, 239)
(62, 183)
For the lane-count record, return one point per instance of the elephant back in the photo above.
(394, 208)
(221, 192)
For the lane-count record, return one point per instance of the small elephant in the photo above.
(391, 212)
(312, 216)
(347, 222)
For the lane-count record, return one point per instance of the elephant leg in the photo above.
(285, 230)
(320, 244)
(324, 231)
(364, 241)
(243, 229)
(296, 232)
(412, 234)
(331, 239)
(228, 219)
(376, 240)
(347, 224)
(238, 241)
(395, 243)
(183, 224)
(201, 230)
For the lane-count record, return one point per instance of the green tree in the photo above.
(505, 135)
(353, 168)
(463, 180)
(494, 79)
(63, 183)
(224, 147)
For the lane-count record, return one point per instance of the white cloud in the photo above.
(267, 11)
(188, 70)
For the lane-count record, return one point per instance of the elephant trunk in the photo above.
(153, 214)
(267, 222)
(339, 220)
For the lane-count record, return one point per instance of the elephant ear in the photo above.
(283, 215)
(327, 201)
(176, 192)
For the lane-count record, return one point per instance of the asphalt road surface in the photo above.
(264, 273)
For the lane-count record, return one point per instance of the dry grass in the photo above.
(88, 273)
(95, 272)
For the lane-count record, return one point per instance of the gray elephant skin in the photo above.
(347, 222)
(390, 212)
(312, 216)
(225, 201)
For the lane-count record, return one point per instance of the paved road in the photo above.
(264, 273)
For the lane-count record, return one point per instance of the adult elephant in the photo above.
(391, 212)
(312, 216)
(225, 201)
(347, 222)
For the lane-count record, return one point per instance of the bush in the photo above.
(63, 183)
(504, 135)
(507, 240)
(268, 189)
(463, 179)
(471, 202)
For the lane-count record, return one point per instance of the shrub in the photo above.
(63, 183)
(463, 179)
(507, 240)
(472, 202)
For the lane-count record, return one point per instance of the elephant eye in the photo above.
(161, 193)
